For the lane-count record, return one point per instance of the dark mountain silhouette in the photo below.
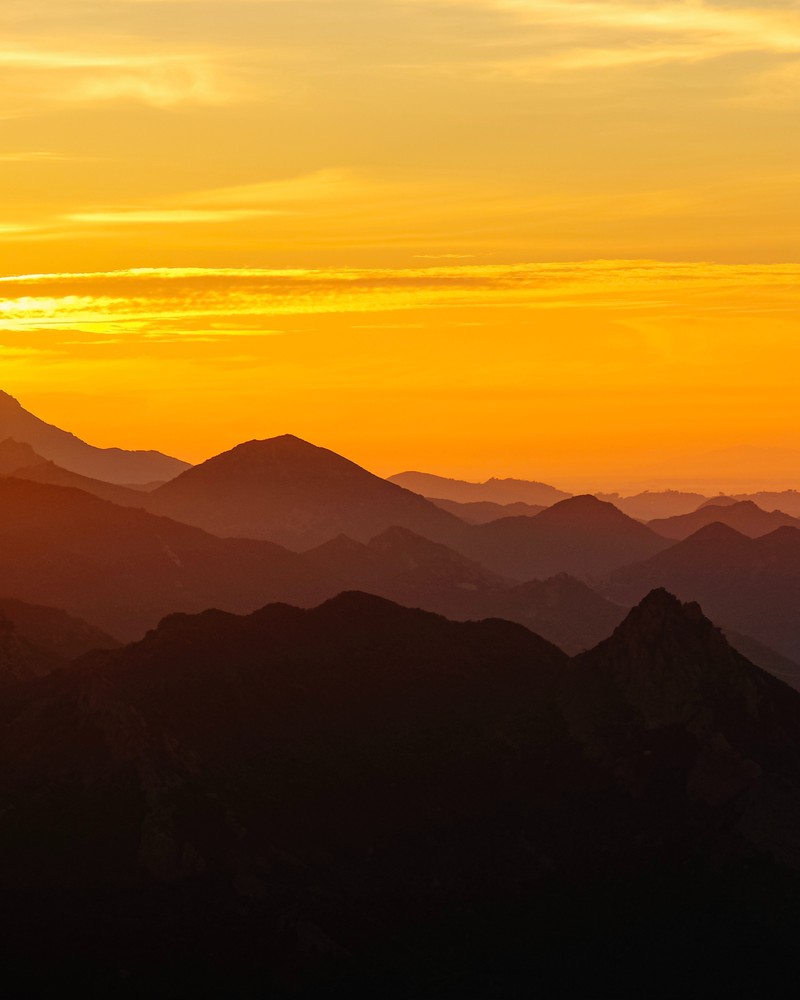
(365, 797)
(113, 465)
(292, 492)
(500, 491)
(751, 585)
(649, 505)
(53, 631)
(124, 569)
(743, 516)
(581, 536)
(483, 511)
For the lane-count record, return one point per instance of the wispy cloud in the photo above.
(240, 297)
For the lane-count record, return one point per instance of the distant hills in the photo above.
(751, 585)
(113, 465)
(582, 536)
(500, 491)
(742, 515)
(391, 804)
(483, 511)
(124, 569)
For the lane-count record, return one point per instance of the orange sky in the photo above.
(545, 238)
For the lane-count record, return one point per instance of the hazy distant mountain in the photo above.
(123, 569)
(501, 491)
(648, 505)
(751, 585)
(483, 511)
(368, 796)
(720, 501)
(16, 455)
(744, 516)
(53, 631)
(582, 536)
(294, 493)
(788, 500)
(22, 462)
(415, 572)
(113, 465)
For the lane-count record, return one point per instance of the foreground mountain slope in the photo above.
(500, 491)
(367, 796)
(113, 465)
(124, 569)
(292, 492)
(751, 585)
(582, 536)
(743, 516)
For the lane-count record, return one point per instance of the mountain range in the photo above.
(124, 569)
(742, 515)
(751, 585)
(375, 800)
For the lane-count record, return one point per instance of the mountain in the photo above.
(53, 631)
(743, 516)
(483, 511)
(16, 455)
(22, 462)
(786, 500)
(500, 491)
(751, 585)
(124, 569)
(582, 536)
(418, 573)
(373, 801)
(720, 501)
(649, 505)
(113, 465)
(294, 493)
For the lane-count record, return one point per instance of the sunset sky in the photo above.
(551, 239)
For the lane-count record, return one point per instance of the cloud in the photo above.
(242, 299)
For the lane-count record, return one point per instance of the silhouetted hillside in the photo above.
(581, 536)
(743, 516)
(291, 492)
(749, 585)
(483, 511)
(500, 491)
(364, 797)
(124, 569)
(22, 462)
(649, 505)
(113, 465)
